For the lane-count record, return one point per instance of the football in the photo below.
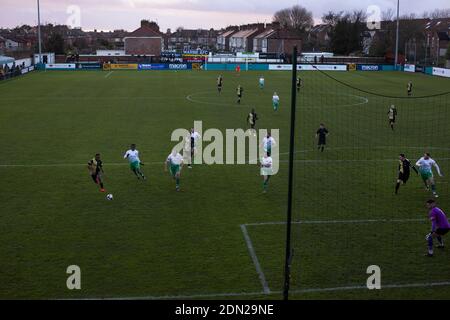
(109, 197)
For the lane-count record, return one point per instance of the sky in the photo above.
(191, 14)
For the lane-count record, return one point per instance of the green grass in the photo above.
(151, 241)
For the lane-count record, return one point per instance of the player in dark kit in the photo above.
(240, 90)
(251, 119)
(95, 167)
(299, 84)
(404, 171)
(219, 83)
(410, 87)
(322, 134)
(392, 115)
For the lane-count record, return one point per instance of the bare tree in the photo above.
(358, 16)
(411, 16)
(437, 14)
(283, 17)
(332, 18)
(388, 15)
(296, 18)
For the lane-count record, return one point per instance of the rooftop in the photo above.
(143, 32)
(265, 34)
(227, 33)
(244, 33)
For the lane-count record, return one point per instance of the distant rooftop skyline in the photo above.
(191, 14)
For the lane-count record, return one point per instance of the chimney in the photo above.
(150, 24)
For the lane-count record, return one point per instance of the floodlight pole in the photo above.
(39, 32)
(396, 38)
(287, 266)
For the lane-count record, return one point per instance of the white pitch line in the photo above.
(258, 268)
(334, 221)
(292, 291)
(299, 291)
(190, 98)
(254, 257)
(109, 73)
(185, 297)
(58, 165)
(353, 160)
(388, 286)
(6, 165)
(342, 161)
(67, 98)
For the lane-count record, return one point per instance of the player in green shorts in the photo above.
(174, 163)
(426, 175)
(275, 101)
(266, 170)
(174, 169)
(135, 163)
(425, 164)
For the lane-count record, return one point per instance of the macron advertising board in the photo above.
(371, 67)
(179, 66)
(309, 67)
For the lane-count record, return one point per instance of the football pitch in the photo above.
(220, 237)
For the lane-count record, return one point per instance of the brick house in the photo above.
(260, 43)
(12, 45)
(278, 41)
(242, 41)
(184, 39)
(427, 40)
(223, 39)
(146, 40)
(319, 38)
(442, 43)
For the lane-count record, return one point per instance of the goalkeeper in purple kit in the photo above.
(439, 226)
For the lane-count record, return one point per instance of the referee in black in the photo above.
(322, 134)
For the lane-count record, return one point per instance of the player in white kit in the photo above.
(425, 165)
(135, 163)
(174, 163)
(268, 143)
(275, 101)
(266, 170)
(262, 82)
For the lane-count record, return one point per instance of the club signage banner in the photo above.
(409, 68)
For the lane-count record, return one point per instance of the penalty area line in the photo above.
(388, 286)
(251, 250)
(292, 291)
(340, 161)
(334, 221)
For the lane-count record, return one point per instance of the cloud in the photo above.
(114, 14)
